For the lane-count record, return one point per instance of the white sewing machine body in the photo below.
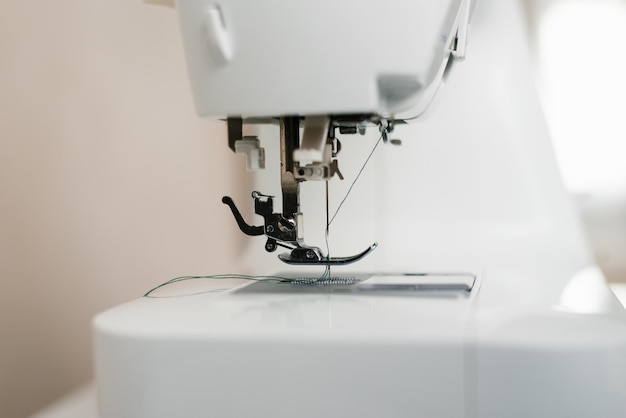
(277, 58)
(481, 300)
(288, 350)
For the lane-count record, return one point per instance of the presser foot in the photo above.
(283, 232)
(312, 256)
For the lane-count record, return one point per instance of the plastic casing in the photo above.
(313, 57)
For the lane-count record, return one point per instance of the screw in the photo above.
(310, 254)
(361, 127)
(270, 229)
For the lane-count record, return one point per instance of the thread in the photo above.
(327, 273)
(325, 279)
(322, 280)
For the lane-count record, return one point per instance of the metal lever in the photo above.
(245, 228)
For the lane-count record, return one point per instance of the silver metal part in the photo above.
(385, 127)
(324, 170)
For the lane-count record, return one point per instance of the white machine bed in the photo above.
(401, 346)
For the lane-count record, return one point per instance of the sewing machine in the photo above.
(481, 299)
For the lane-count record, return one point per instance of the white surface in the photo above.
(80, 403)
(584, 89)
(219, 41)
(83, 402)
(620, 292)
(285, 350)
(316, 57)
(280, 355)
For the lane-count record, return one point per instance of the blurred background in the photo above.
(580, 67)
(110, 185)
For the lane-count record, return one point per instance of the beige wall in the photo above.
(109, 183)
